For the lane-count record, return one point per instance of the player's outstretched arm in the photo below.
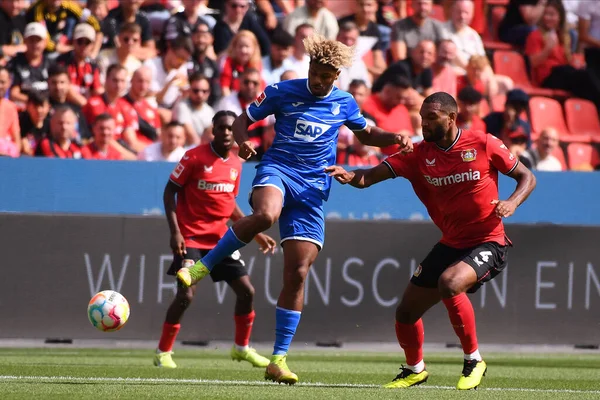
(525, 184)
(240, 134)
(360, 178)
(177, 242)
(374, 136)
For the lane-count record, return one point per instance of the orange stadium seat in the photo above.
(512, 64)
(438, 13)
(490, 36)
(484, 108)
(498, 101)
(582, 118)
(582, 154)
(547, 112)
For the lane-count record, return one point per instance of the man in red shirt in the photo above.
(454, 172)
(148, 116)
(205, 183)
(469, 100)
(112, 103)
(388, 110)
(102, 147)
(61, 142)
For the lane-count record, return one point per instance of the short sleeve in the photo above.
(183, 170)
(401, 164)
(182, 113)
(397, 32)
(355, 121)
(499, 155)
(265, 104)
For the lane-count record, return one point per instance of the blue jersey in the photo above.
(306, 128)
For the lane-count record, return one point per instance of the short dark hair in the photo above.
(130, 27)
(103, 117)
(447, 102)
(173, 124)
(114, 67)
(302, 26)
(182, 42)
(200, 23)
(470, 95)
(399, 81)
(357, 82)
(37, 97)
(198, 76)
(223, 113)
(250, 70)
(348, 26)
(281, 38)
(57, 69)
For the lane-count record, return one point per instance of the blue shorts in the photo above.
(302, 216)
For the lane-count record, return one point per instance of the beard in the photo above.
(435, 135)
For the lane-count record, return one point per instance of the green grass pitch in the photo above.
(49, 373)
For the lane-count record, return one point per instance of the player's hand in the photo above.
(178, 244)
(504, 208)
(405, 143)
(340, 174)
(247, 150)
(266, 243)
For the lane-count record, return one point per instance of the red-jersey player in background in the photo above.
(454, 173)
(206, 182)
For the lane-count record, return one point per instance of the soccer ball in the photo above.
(108, 311)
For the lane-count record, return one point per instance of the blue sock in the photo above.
(286, 322)
(226, 246)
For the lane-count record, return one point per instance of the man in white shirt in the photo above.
(314, 12)
(299, 61)
(348, 35)
(170, 148)
(194, 112)
(249, 91)
(169, 72)
(541, 157)
(467, 40)
(277, 61)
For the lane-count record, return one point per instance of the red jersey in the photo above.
(123, 113)
(209, 185)
(458, 184)
(91, 152)
(49, 148)
(148, 120)
(84, 77)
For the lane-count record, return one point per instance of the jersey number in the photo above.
(485, 257)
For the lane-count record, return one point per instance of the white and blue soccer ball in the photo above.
(108, 311)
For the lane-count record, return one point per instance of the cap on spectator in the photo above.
(517, 134)
(35, 29)
(201, 23)
(282, 38)
(470, 95)
(84, 31)
(517, 96)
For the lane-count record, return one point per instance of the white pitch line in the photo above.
(262, 383)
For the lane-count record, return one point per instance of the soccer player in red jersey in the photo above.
(454, 173)
(206, 182)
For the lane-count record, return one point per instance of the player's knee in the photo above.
(246, 294)
(185, 299)
(295, 277)
(450, 285)
(264, 219)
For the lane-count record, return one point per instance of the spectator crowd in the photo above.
(141, 79)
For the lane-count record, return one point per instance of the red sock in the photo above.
(411, 338)
(169, 334)
(462, 317)
(243, 328)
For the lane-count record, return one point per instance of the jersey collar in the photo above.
(453, 143)
(217, 154)
(319, 97)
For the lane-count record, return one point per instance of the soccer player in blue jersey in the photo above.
(291, 184)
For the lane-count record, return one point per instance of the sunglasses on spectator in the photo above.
(83, 42)
(196, 91)
(251, 82)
